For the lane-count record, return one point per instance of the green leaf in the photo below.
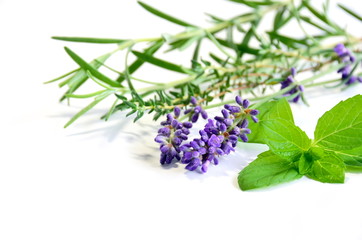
(288, 41)
(165, 15)
(159, 62)
(267, 170)
(285, 139)
(279, 109)
(90, 106)
(90, 40)
(352, 157)
(86, 66)
(350, 12)
(341, 127)
(62, 76)
(328, 169)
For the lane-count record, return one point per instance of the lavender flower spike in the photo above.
(219, 136)
(170, 137)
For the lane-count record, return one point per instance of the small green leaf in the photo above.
(267, 170)
(285, 139)
(279, 109)
(341, 127)
(159, 62)
(86, 66)
(90, 40)
(328, 169)
(350, 12)
(165, 15)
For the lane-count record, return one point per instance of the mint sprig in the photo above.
(335, 149)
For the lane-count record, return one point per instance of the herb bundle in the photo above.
(263, 66)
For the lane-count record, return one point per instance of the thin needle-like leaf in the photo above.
(160, 63)
(83, 64)
(89, 40)
(90, 106)
(165, 15)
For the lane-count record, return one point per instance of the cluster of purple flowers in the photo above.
(171, 135)
(219, 137)
(346, 56)
(296, 91)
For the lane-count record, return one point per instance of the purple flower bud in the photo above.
(205, 166)
(293, 71)
(160, 139)
(222, 127)
(197, 109)
(238, 100)
(352, 58)
(219, 151)
(177, 111)
(204, 114)
(193, 164)
(255, 119)
(202, 151)
(176, 141)
(228, 122)
(246, 103)
(164, 131)
(254, 112)
(233, 137)
(244, 123)
(187, 124)
(164, 148)
(351, 80)
(246, 130)
(193, 101)
(214, 141)
(244, 138)
(194, 117)
(219, 119)
(225, 113)
(187, 111)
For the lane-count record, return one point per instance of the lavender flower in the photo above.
(346, 56)
(297, 89)
(219, 136)
(171, 135)
(196, 111)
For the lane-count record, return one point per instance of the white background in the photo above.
(102, 180)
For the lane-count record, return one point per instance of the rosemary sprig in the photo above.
(244, 70)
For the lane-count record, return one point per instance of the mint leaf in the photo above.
(328, 169)
(285, 139)
(352, 158)
(267, 170)
(307, 159)
(341, 127)
(279, 109)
